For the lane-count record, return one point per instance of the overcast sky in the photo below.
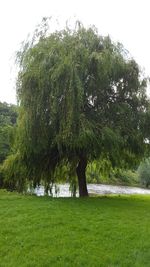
(126, 21)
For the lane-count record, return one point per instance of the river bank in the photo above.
(62, 190)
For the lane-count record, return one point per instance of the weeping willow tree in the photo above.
(80, 96)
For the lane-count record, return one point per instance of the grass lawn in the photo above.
(102, 231)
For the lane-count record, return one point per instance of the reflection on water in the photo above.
(98, 189)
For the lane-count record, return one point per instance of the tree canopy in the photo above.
(81, 97)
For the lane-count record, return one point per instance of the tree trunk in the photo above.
(80, 170)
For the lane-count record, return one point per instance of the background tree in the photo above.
(8, 117)
(81, 96)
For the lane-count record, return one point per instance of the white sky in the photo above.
(126, 21)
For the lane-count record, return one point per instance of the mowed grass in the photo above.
(102, 231)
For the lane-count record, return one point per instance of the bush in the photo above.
(144, 172)
(126, 177)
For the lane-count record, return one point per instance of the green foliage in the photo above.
(67, 232)
(8, 117)
(144, 172)
(5, 132)
(102, 171)
(14, 173)
(126, 177)
(8, 114)
(99, 171)
(80, 95)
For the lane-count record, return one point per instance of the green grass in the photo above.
(103, 231)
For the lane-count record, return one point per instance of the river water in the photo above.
(62, 190)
